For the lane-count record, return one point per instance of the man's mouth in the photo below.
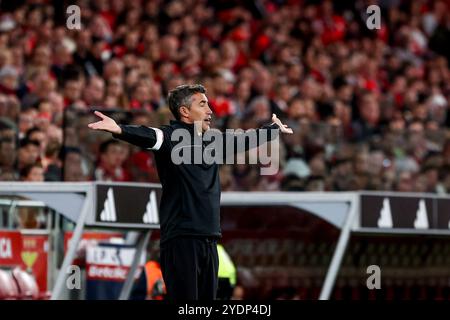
(208, 120)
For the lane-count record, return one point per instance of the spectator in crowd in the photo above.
(8, 154)
(51, 162)
(28, 153)
(32, 173)
(111, 160)
(73, 166)
(37, 135)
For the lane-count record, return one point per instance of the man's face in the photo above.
(200, 111)
(36, 174)
(113, 156)
(7, 154)
(72, 90)
(28, 154)
(370, 110)
(40, 137)
(10, 82)
(72, 167)
(405, 182)
(297, 109)
(95, 91)
(73, 159)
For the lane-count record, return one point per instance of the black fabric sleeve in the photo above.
(141, 136)
(240, 142)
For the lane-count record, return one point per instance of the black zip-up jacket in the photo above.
(190, 202)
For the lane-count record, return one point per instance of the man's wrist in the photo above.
(274, 125)
(118, 132)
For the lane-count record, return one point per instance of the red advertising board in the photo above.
(111, 262)
(34, 257)
(10, 248)
(90, 238)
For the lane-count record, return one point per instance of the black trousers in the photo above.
(190, 267)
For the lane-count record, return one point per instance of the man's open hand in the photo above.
(283, 127)
(106, 124)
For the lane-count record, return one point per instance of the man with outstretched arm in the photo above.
(190, 203)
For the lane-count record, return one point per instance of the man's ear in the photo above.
(184, 111)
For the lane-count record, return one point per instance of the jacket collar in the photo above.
(181, 124)
(178, 123)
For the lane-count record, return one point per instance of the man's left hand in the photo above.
(283, 127)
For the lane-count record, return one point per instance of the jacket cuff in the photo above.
(270, 126)
(121, 135)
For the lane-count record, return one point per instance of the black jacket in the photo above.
(190, 202)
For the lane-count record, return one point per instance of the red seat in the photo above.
(8, 286)
(28, 288)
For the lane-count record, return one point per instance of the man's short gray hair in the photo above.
(181, 96)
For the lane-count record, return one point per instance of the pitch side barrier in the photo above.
(134, 207)
(365, 212)
(119, 206)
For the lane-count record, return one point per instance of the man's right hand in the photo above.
(106, 124)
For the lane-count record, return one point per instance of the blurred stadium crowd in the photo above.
(369, 108)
